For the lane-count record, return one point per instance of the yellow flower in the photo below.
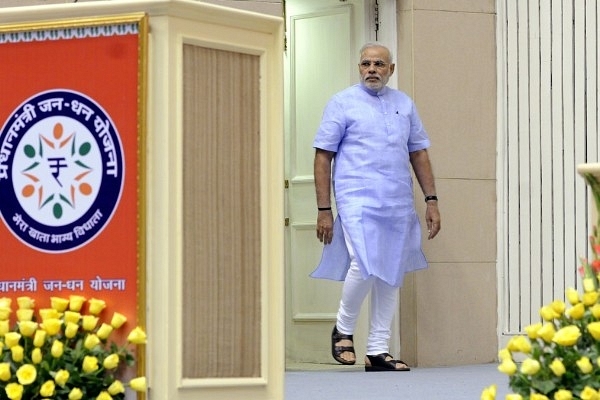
(118, 320)
(513, 396)
(572, 296)
(577, 311)
(50, 346)
(519, 343)
(589, 285)
(57, 349)
(14, 391)
(4, 313)
(52, 326)
(47, 389)
(585, 365)
(590, 298)
(538, 396)
(532, 330)
(508, 367)
(548, 314)
(111, 362)
(558, 306)
(4, 327)
(26, 374)
(596, 311)
(76, 302)
(62, 377)
(25, 303)
(530, 367)
(116, 387)
(71, 330)
(91, 341)
(39, 338)
(504, 354)
(89, 322)
(12, 339)
(104, 331)
(36, 355)
(75, 394)
(96, 306)
(547, 332)
(5, 302)
(557, 367)
(567, 336)
(17, 353)
(139, 384)
(90, 364)
(27, 328)
(48, 313)
(104, 396)
(594, 329)
(511, 345)
(489, 393)
(5, 374)
(24, 314)
(59, 304)
(137, 336)
(563, 394)
(588, 393)
(72, 316)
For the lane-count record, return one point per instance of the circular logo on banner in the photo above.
(61, 171)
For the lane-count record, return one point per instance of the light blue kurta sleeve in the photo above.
(418, 138)
(332, 128)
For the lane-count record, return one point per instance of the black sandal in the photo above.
(380, 362)
(336, 351)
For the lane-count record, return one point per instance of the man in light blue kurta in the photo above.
(371, 135)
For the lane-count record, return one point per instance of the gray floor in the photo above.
(316, 382)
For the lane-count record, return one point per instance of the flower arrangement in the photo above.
(67, 354)
(560, 355)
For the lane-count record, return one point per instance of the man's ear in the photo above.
(392, 68)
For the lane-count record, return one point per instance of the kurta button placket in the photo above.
(386, 115)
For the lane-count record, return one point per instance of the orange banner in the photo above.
(70, 163)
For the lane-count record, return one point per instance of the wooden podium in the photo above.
(209, 183)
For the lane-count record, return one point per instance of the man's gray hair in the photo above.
(376, 44)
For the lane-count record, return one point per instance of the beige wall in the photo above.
(447, 62)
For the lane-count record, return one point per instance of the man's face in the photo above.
(375, 68)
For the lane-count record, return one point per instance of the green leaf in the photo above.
(544, 386)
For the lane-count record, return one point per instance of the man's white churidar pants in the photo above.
(384, 301)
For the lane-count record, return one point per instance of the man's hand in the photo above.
(422, 166)
(325, 226)
(323, 188)
(432, 217)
